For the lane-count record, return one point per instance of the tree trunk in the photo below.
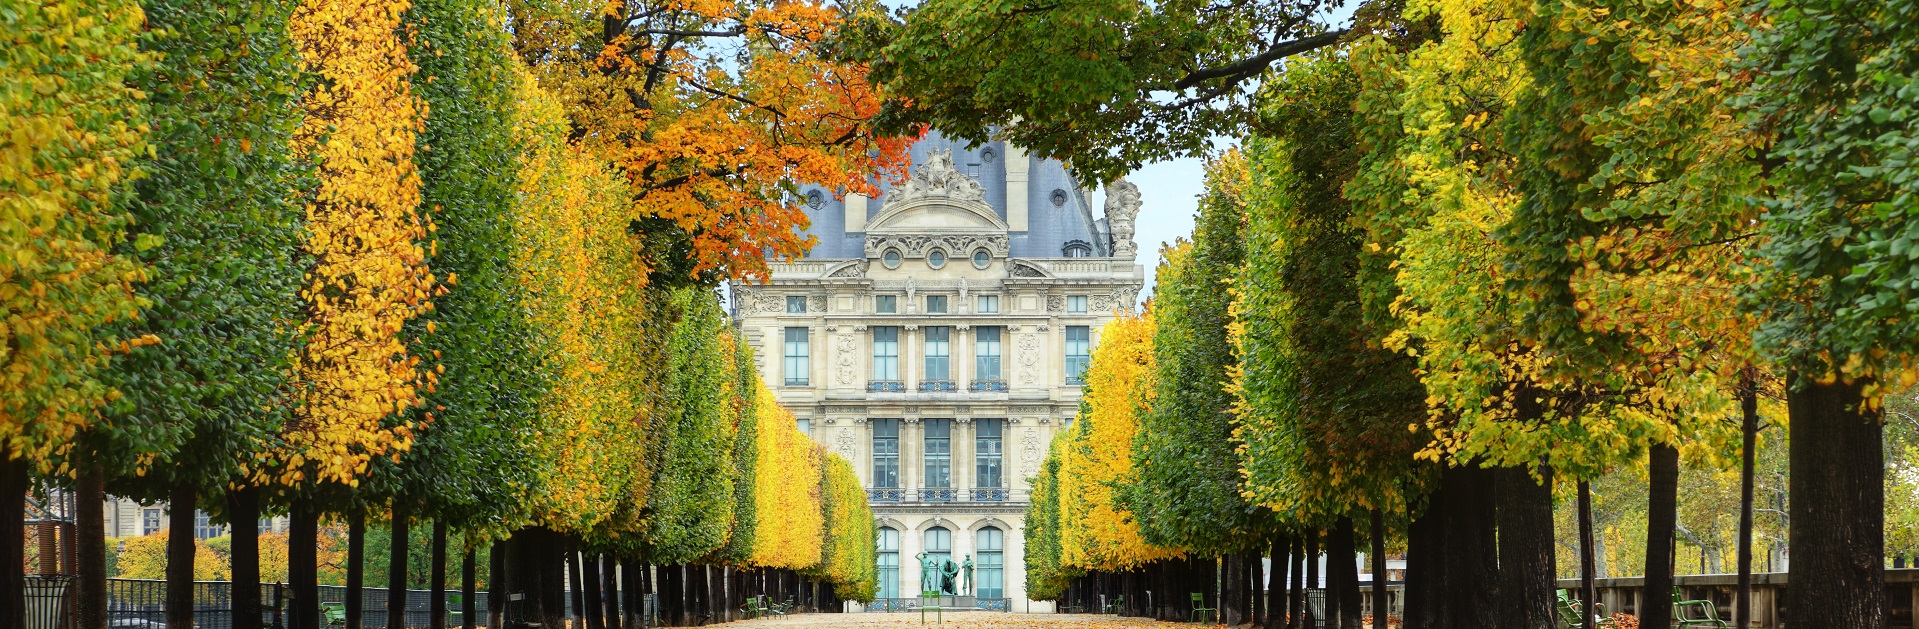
(496, 584)
(1837, 533)
(1276, 587)
(180, 556)
(1313, 582)
(1423, 571)
(243, 515)
(1230, 564)
(396, 568)
(356, 569)
(1345, 553)
(577, 599)
(590, 611)
(1526, 563)
(1297, 618)
(91, 539)
(1587, 595)
(303, 545)
(1662, 520)
(610, 585)
(469, 590)
(1382, 602)
(436, 577)
(1256, 588)
(13, 516)
(1749, 429)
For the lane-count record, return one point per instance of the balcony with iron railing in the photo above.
(941, 495)
(989, 385)
(886, 386)
(938, 385)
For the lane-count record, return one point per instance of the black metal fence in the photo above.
(141, 604)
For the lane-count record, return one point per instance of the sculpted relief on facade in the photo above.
(936, 177)
(843, 359)
(1028, 360)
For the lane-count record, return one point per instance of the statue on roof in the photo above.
(1122, 204)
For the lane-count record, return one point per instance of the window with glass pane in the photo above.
(796, 357)
(204, 528)
(986, 453)
(938, 354)
(1076, 303)
(939, 546)
(936, 304)
(886, 453)
(886, 352)
(991, 582)
(988, 304)
(805, 425)
(1079, 348)
(986, 354)
(939, 453)
(886, 304)
(149, 521)
(889, 563)
(795, 304)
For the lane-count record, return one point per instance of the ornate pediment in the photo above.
(936, 199)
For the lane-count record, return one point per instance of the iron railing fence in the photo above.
(950, 603)
(141, 604)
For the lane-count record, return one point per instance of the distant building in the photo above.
(128, 518)
(935, 338)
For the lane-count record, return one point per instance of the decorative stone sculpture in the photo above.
(937, 177)
(967, 570)
(1122, 204)
(949, 577)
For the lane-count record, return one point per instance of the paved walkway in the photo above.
(954, 620)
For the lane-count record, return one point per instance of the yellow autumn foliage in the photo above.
(1095, 533)
(786, 490)
(71, 125)
(367, 240)
(574, 262)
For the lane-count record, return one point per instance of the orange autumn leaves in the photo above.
(714, 112)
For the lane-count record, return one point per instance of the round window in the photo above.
(891, 259)
(981, 258)
(815, 199)
(936, 259)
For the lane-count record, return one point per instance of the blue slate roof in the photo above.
(1050, 227)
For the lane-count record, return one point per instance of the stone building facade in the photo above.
(935, 338)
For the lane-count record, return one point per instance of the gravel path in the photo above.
(954, 620)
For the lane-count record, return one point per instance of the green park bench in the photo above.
(1695, 613)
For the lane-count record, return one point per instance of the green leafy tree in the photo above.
(690, 510)
(1836, 83)
(1103, 84)
(1186, 493)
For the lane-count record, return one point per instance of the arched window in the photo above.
(1077, 249)
(889, 563)
(990, 579)
(939, 548)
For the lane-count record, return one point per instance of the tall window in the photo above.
(986, 354)
(886, 352)
(804, 425)
(796, 357)
(938, 354)
(204, 528)
(889, 563)
(939, 453)
(936, 304)
(796, 304)
(149, 521)
(991, 582)
(886, 304)
(1076, 303)
(986, 453)
(988, 304)
(886, 453)
(1078, 351)
(939, 546)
